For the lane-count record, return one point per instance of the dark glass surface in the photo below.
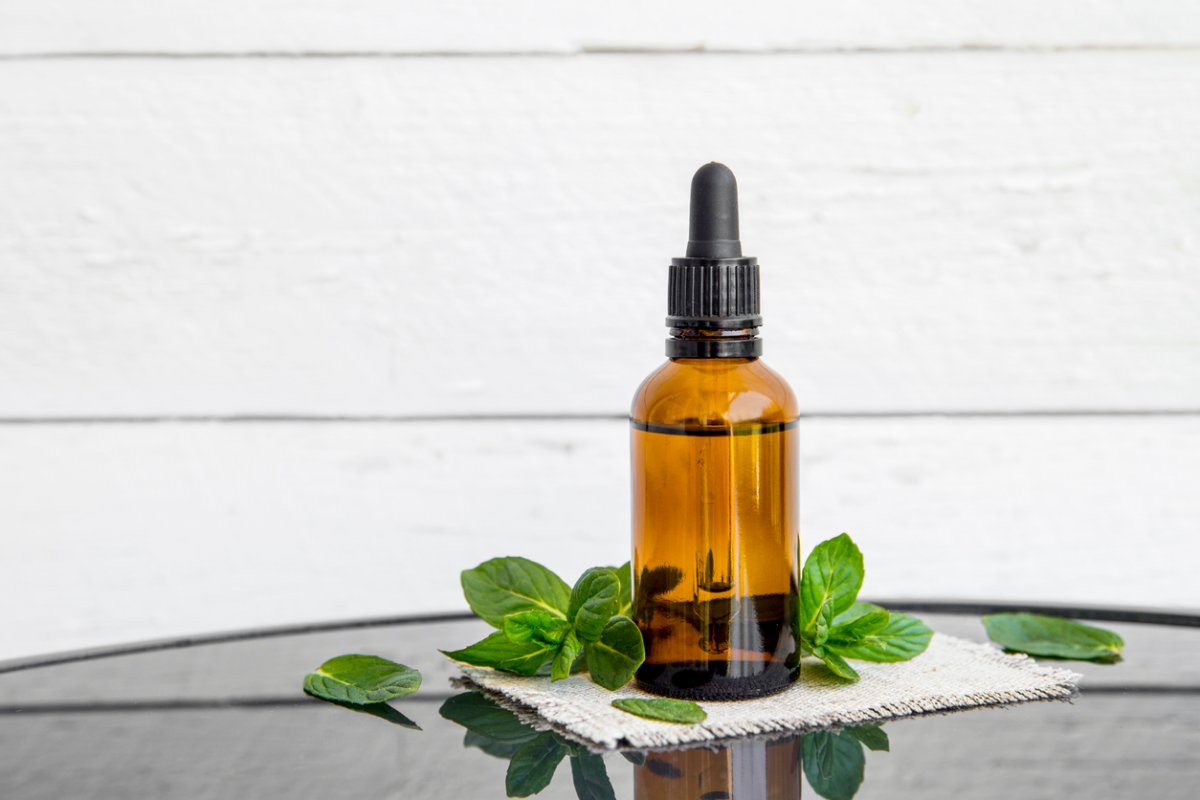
(228, 720)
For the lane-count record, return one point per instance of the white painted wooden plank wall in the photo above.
(296, 210)
(514, 26)
(938, 232)
(176, 528)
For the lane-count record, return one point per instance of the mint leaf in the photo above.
(498, 652)
(836, 664)
(832, 576)
(564, 659)
(503, 586)
(481, 715)
(860, 620)
(873, 736)
(684, 712)
(902, 638)
(591, 777)
(834, 764)
(625, 576)
(533, 765)
(535, 625)
(594, 600)
(616, 656)
(1053, 637)
(360, 680)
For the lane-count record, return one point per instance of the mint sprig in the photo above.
(832, 626)
(545, 626)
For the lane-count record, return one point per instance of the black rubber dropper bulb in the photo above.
(712, 292)
(713, 225)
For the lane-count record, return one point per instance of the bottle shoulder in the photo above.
(714, 391)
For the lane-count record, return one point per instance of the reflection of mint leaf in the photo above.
(480, 714)
(1053, 637)
(533, 765)
(873, 736)
(499, 652)
(496, 749)
(503, 586)
(594, 600)
(684, 712)
(381, 710)
(360, 680)
(834, 764)
(616, 656)
(591, 777)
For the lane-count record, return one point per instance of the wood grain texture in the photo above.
(949, 231)
(423, 26)
(116, 533)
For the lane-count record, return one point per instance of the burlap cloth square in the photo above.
(952, 674)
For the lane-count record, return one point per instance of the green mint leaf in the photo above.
(481, 715)
(1053, 637)
(635, 757)
(902, 638)
(834, 764)
(591, 777)
(832, 576)
(503, 586)
(360, 680)
(564, 659)
(858, 609)
(594, 600)
(824, 624)
(860, 620)
(616, 656)
(381, 710)
(684, 712)
(533, 765)
(873, 736)
(837, 665)
(625, 576)
(535, 625)
(498, 652)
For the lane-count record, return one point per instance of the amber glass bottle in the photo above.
(715, 522)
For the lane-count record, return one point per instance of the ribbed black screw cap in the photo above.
(714, 286)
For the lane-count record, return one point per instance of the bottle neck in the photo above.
(710, 343)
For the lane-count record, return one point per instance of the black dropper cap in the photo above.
(714, 288)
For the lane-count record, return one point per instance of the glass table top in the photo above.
(227, 719)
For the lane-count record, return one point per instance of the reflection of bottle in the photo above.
(714, 478)
(743, 770)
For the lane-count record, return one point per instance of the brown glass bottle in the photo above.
(714, 490)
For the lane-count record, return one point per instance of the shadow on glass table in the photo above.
(224, 716)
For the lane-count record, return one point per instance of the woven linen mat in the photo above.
(951, 674)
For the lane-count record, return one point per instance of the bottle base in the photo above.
(722, 680)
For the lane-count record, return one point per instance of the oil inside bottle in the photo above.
(714, 535)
